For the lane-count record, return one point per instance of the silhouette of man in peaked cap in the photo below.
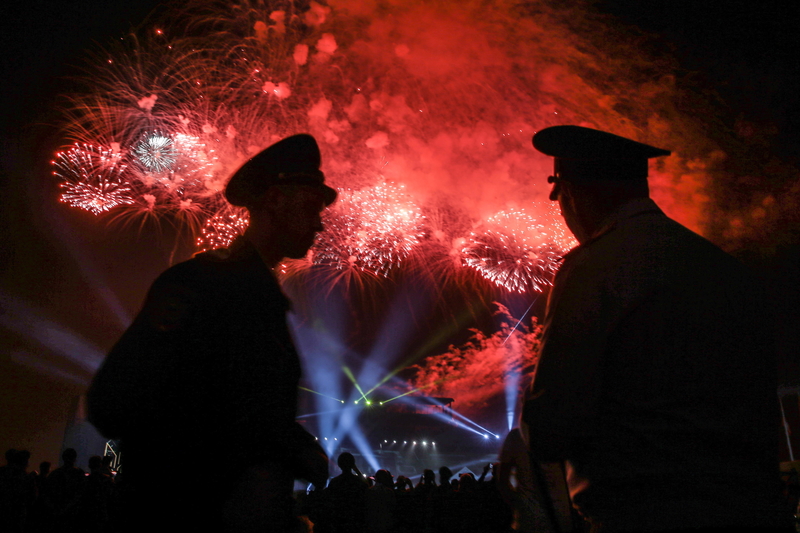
(656, 380)
(208, 369)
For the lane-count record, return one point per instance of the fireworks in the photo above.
(184, 164)
(371, 230)
(220, 230)
(156, 152)
(92, 178)
(518, 251)
(420, 111)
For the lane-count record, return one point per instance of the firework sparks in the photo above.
(92, 178)
(518, 251)
(181, 162)
(220, 230)
(156, 152)
(390, 102)
(372, 230)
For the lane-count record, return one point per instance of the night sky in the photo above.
(741, 55)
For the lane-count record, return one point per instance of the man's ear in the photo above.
(268, 200)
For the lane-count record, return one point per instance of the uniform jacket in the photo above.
(208, 365)
(656, 380)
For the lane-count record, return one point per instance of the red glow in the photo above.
(476, 372)
(439, 100)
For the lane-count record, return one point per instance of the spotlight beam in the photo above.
(444, 333)
(34, 361)
(400, 396)
(349, 374)
(321, 413)
(512, 381)
(29, 322)
(413, 391)
(462, 417)
(520, 320)
(320, 394)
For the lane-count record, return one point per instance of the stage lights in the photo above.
(366, 402)
(413, 442)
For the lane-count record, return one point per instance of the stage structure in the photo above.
(412, 433)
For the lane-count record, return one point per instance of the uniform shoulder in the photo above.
(196, 270)
(182, 289)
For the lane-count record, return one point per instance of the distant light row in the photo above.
(413, 442)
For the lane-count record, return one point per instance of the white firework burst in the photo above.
(518, 251)
(156, 152)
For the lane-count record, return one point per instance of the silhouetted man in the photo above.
(345, 496)
(208, 370)
(656, 380)
(65, 489)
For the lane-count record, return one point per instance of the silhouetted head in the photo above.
(69, 456)
(384, 478)
(346, 461)
(23, 457)
(17, 458)
(95, 462)
(284, 192)
(444, 475)
(466, 482)
(10, 454)
(595, 173)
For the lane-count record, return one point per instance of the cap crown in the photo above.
(586, 153)
(293, 160)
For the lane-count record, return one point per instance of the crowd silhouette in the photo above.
(69, 499)
(354, 503)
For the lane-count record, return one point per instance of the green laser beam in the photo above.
(319, 393)
(349, 374)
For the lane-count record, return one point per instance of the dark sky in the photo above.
(744, 51)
